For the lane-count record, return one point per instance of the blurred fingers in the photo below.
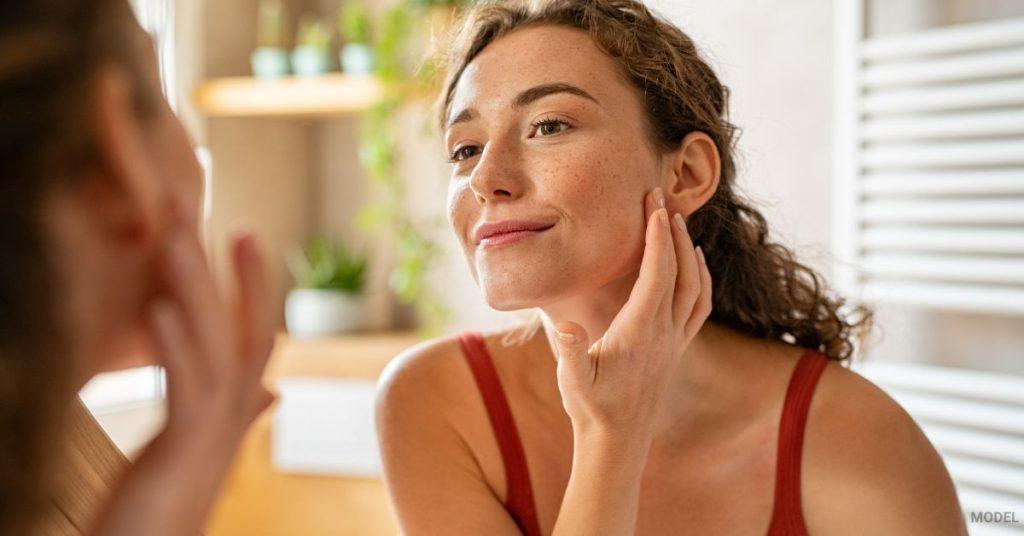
(174, 347)
(193, 287)
(255, 311)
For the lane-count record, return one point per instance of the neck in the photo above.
(691, 390)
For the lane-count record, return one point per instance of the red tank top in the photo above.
(787, 515)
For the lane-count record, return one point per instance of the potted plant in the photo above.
(354, 22)
(312, 54)
(270, 59)
(328, 295)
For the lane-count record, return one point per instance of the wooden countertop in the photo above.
(259, 500)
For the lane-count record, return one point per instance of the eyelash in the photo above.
(453, 157)
(548, 121)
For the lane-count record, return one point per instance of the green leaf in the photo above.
(354, 22)
(313, 33)
(327, 264)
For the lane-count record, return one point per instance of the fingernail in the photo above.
(565, 337)
(680, 222)
(700, 255)
(663, 216)
(659, 196)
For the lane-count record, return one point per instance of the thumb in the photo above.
(571, 345)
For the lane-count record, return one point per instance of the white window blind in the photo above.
(929, 164)
(929, 212)
(976, 422)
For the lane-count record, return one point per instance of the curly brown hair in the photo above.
(759, 286)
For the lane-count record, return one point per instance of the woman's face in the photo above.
(545, 130)
(109, 229)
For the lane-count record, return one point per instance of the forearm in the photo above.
(603, 493)
(170, 489)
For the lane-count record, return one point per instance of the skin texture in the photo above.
(699, 457)
(134, 279)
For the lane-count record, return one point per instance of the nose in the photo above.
(497, 175)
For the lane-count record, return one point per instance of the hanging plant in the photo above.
(379, 156)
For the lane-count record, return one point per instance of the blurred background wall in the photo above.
(293, 177)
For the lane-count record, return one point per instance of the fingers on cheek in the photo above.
(668, 242)
(169, 334)
(159, 323)
(651, 233)
(708, 287)
(180, 262)
(650, 204)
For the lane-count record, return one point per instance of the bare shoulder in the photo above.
(423, 377)
(432, 434)
(868, 467)
(434, 367)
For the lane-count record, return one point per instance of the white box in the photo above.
(325, 426)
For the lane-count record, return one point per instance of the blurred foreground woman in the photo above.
(100, 259)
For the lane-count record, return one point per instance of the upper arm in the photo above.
(433, 478)
(871, 470)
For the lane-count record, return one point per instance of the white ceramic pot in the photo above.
(269, 62)
(310, 313)
(310, 61)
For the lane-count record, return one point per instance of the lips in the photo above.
(508, 230)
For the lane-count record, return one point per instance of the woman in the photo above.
(99, 209)
(666, 391)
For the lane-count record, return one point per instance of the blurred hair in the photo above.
(50, 51)
(760, 288)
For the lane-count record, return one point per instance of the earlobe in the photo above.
(124, 172)
(696, 168)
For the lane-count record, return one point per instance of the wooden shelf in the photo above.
(327, 95)
(358, 355)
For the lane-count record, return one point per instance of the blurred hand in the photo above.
(616, 384)
(214, 352)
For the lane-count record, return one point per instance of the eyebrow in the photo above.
(528, 96)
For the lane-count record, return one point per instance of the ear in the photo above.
(125, 192)
(695, 169)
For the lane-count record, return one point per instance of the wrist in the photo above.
(610, 436)
(625, 447)
(202, 437)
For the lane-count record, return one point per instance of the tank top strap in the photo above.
(519, 497)
(787, 514)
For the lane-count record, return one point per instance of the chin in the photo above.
(521, 293)
(515, 303)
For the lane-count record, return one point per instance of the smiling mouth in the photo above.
(511, 237)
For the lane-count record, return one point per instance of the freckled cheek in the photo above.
(595, 196)
(604, 202)
(568, 182)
